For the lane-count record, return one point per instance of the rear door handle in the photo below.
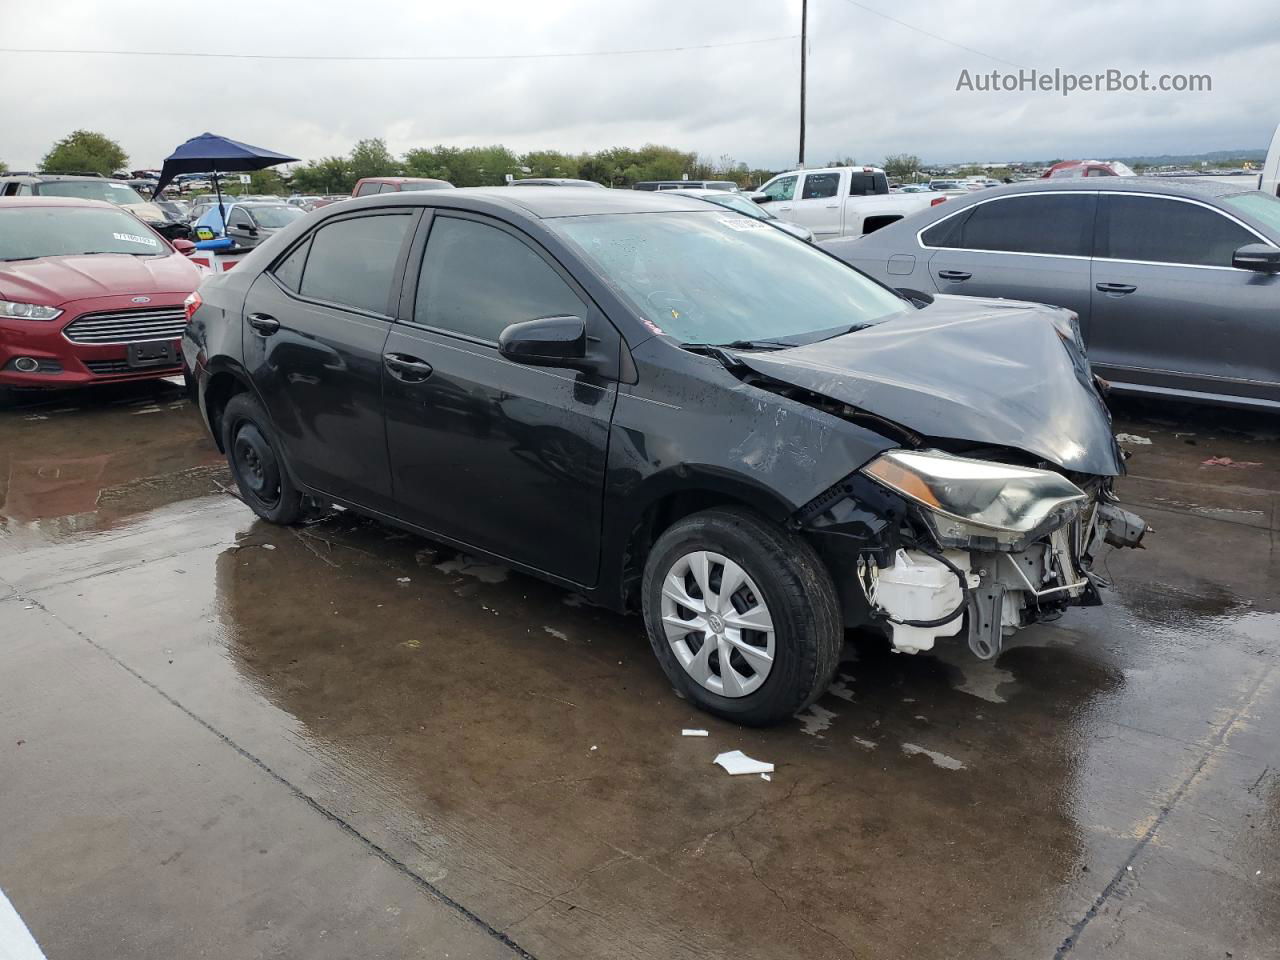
(405, 368)
(1115, 289)
(263, 323)
(953, 275)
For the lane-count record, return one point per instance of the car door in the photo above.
(1031, 246)
(315, 324)
(1169, 310)
(242, 227)
(818, 205)
(506, 458)
(779, 196)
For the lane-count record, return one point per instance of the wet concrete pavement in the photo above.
(222, 737)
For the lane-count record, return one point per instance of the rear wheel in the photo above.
(742, 615)
(257, 463)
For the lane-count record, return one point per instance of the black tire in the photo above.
(797, 589)
(257, 462)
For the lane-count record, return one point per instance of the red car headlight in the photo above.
(28, 311)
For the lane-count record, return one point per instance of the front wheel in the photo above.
(742, 615)
(257, 463)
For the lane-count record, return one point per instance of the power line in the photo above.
(927, 33)
(400, 59)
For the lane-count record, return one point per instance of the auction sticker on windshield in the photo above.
(134, 238)
(743, 223)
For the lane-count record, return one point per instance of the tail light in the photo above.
(937, 200)
(191, 305)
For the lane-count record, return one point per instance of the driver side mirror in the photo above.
(546, 342)
(759, 197)
(1261, 257)
(184, 247)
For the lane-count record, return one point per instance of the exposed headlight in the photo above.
(28, 311)
(979, 503)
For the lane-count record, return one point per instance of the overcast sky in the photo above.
(875, 86)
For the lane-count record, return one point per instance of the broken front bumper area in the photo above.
(920, 590)
(992, 594)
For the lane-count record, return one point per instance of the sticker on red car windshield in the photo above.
(134, 238)
(742, 223)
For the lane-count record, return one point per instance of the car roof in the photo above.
(43, 201)
(541, 204)
(1165, 186)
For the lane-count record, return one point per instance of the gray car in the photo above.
(1176, 283)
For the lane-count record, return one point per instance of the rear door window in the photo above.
(365, 189)
(477, 279)
(1161, 230)
(819, 186)
(1055, 224)
(353, 261)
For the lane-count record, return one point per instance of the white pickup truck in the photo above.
(840, 201)
(1269, 179)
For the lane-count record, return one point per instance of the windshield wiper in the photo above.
(122, 253)
(16, 259)
(739, 345)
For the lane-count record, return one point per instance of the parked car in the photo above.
(248, 223)
(1175, 282)
(944, 185)
(683, 413)
(913, 188)
(839, 201)
(740, 203)
(652, 185)
(553, 182)
(94, 188)
(371, 185)
(88, 294)
(1072, 169)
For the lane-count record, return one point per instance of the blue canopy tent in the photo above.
(209, 153)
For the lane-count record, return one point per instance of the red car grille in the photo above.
(127, 326)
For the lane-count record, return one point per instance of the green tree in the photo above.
(370, 158)
(265, 182)
(901, 166)
(327, 175)
(84, 151)
(549, 163)
(4, 167)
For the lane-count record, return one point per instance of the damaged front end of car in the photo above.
(933, 545)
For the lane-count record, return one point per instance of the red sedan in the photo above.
(88, 294)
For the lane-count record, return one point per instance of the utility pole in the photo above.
(804, 42)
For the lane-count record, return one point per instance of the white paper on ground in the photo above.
(693, 733)
(736, 762)
(16, 942)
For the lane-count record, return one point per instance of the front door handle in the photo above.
(1115, 289)
(405, 368)
(833, 206)
(263, 324)
(784, 206)
(953, 275)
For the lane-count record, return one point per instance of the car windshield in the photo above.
(31, 232)
(112, 191)
(1262, 207)
(736, 201)
(275, 216)
(717, 278)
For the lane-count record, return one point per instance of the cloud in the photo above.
(875, 86)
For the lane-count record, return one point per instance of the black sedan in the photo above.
(675, 410)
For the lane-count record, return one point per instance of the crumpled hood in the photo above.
(53, 281)
(963, 368)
